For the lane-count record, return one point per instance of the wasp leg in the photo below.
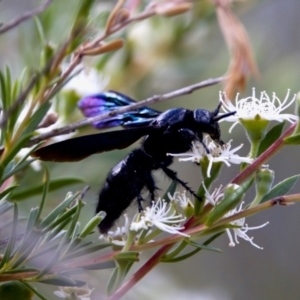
(140, 200)
(151, 187)
(173, 176)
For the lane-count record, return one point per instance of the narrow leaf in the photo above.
(180, 258)
(53, 185)
(171, 189)
(46, 182)
(15, 149)
(231, 199)
(204, 247)
(12, 240)
(281, 188)
(7, 191)
(58, 210)
(271, 137)
(12, 171)
(87, 250)
(92, 224)
(5, 206)
(292, 140)
(62, 281)
(37, 117)
(101, 266)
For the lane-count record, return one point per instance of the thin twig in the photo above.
(153, 99)
(27, 15)
(96, 42)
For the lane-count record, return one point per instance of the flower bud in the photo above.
(173, 9)
(108, 47)
(50, 119)
(263, 183)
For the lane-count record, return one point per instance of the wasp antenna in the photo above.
(217, 110)
(217, 119)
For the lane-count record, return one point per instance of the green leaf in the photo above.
(12, 240)
(113, 280)
(292, 140)
(92, 224)
(231, 199)
(215, 230)
(53, 185)
(15, 149)
(86, 250)
(24, 158)
(82, 14)
(66, 216)
(8, 84)
(128, 256)
(58, 210)
(37, 117)
(34, 291)
(46, 182)
(181, 257)
(118, 275)
(271, 137)
(4, 99)
(171, 189)
(53, 234)
(204, 247)
(281, 188)
(62, 281)
(7, 191)
(12, 171)
(40, 31)
(33, 216)
(25, 248)
(101, 266)
(21, 270)
(187, 255)
(5, 206)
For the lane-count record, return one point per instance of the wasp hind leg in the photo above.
(173, 176)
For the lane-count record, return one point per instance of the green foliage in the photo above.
(282, 188)
(47, 242)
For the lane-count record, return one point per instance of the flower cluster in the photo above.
(216, 154)
(265, 107)
(242, 228)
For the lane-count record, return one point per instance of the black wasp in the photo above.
(172, 131)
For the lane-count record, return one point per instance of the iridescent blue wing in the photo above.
(96, 105)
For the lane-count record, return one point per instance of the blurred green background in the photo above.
(161, 55)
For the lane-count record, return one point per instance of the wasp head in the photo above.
(208, 122)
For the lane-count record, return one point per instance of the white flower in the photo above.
(217, 154)
(242, 230)
(79, 293)
(162, 216)
(250, 107)
(182, 199)
(119, 236)
(215, 197)
(86, 82)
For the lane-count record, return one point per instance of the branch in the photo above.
(24, 17)
(153, 99)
